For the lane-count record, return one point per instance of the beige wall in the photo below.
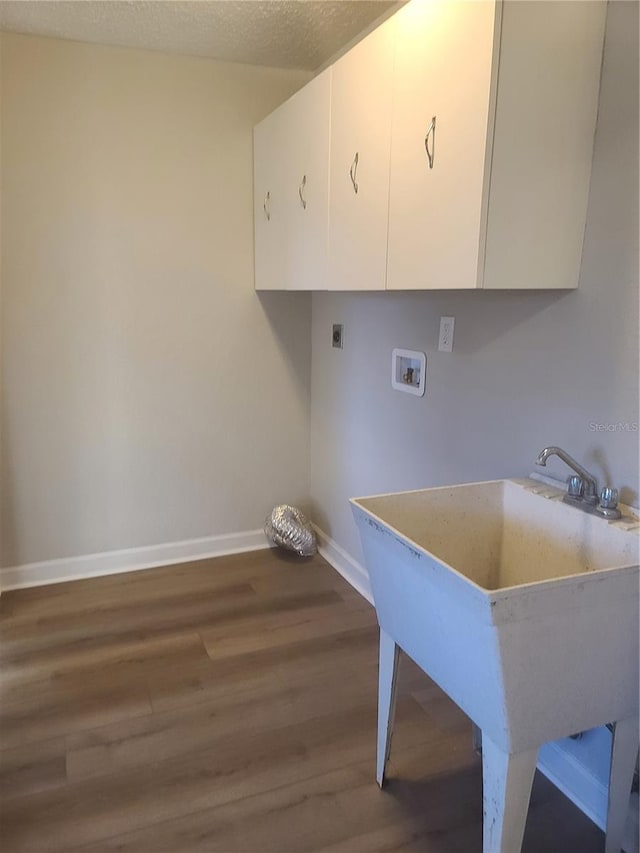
(528, 369)
(150, 396)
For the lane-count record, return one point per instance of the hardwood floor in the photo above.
(230, 705)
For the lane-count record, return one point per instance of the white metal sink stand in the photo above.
(529, 654)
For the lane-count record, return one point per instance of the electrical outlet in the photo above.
(337, 335)
(445, 343)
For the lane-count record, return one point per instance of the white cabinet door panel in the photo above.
(443, 75)
(360, 153)
(291, 191)
(270, 227)
(547, 105)
(306, 185)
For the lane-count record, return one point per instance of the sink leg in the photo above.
(387, 677)
(476, 738)
(624, 751)
(506, 782)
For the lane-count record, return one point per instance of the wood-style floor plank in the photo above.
(294, 817)
(179, 686)
(32, 768)
(234, 767)
(66, 705)
(283, 628)
(230, 705)
(135, 742)
(132, 659)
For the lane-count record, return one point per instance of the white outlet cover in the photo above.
(445, 341)
(408, 371)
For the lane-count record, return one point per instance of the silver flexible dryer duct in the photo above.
(287, 527)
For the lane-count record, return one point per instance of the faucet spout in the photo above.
(590, 483)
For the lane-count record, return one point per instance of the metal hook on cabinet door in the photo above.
(265, 206)
(303, 184)
(352, 173)
(430, 134)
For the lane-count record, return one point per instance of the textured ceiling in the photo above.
(284, 33)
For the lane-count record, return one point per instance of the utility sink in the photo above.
(522, 608)
(501, 534)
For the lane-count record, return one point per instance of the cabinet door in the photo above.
(443, 103)
(305, 156)
(269, 203)
(291, 191)
(546, 111)
(359, 168)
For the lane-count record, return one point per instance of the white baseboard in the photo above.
(130, 559)
(344, 564)
(588, 791)
(575, 781)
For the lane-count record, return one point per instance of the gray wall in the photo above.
(528, 369)
(149, 396)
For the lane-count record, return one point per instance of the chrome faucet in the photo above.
(582, 490)
(590, 485)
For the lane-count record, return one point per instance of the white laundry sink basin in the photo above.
(522, 608)
(501, 534)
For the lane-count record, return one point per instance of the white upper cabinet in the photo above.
(494, 117)
(546, 112)
(306, 155)
(361, 95)
(268, 204)
(449, 149)
(441, 111)
(291, 191)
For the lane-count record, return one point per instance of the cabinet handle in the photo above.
(303, 184)
(431, 134)
(352, 173)
(265, 206)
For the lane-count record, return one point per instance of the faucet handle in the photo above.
(608, 498)
(575, 487)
